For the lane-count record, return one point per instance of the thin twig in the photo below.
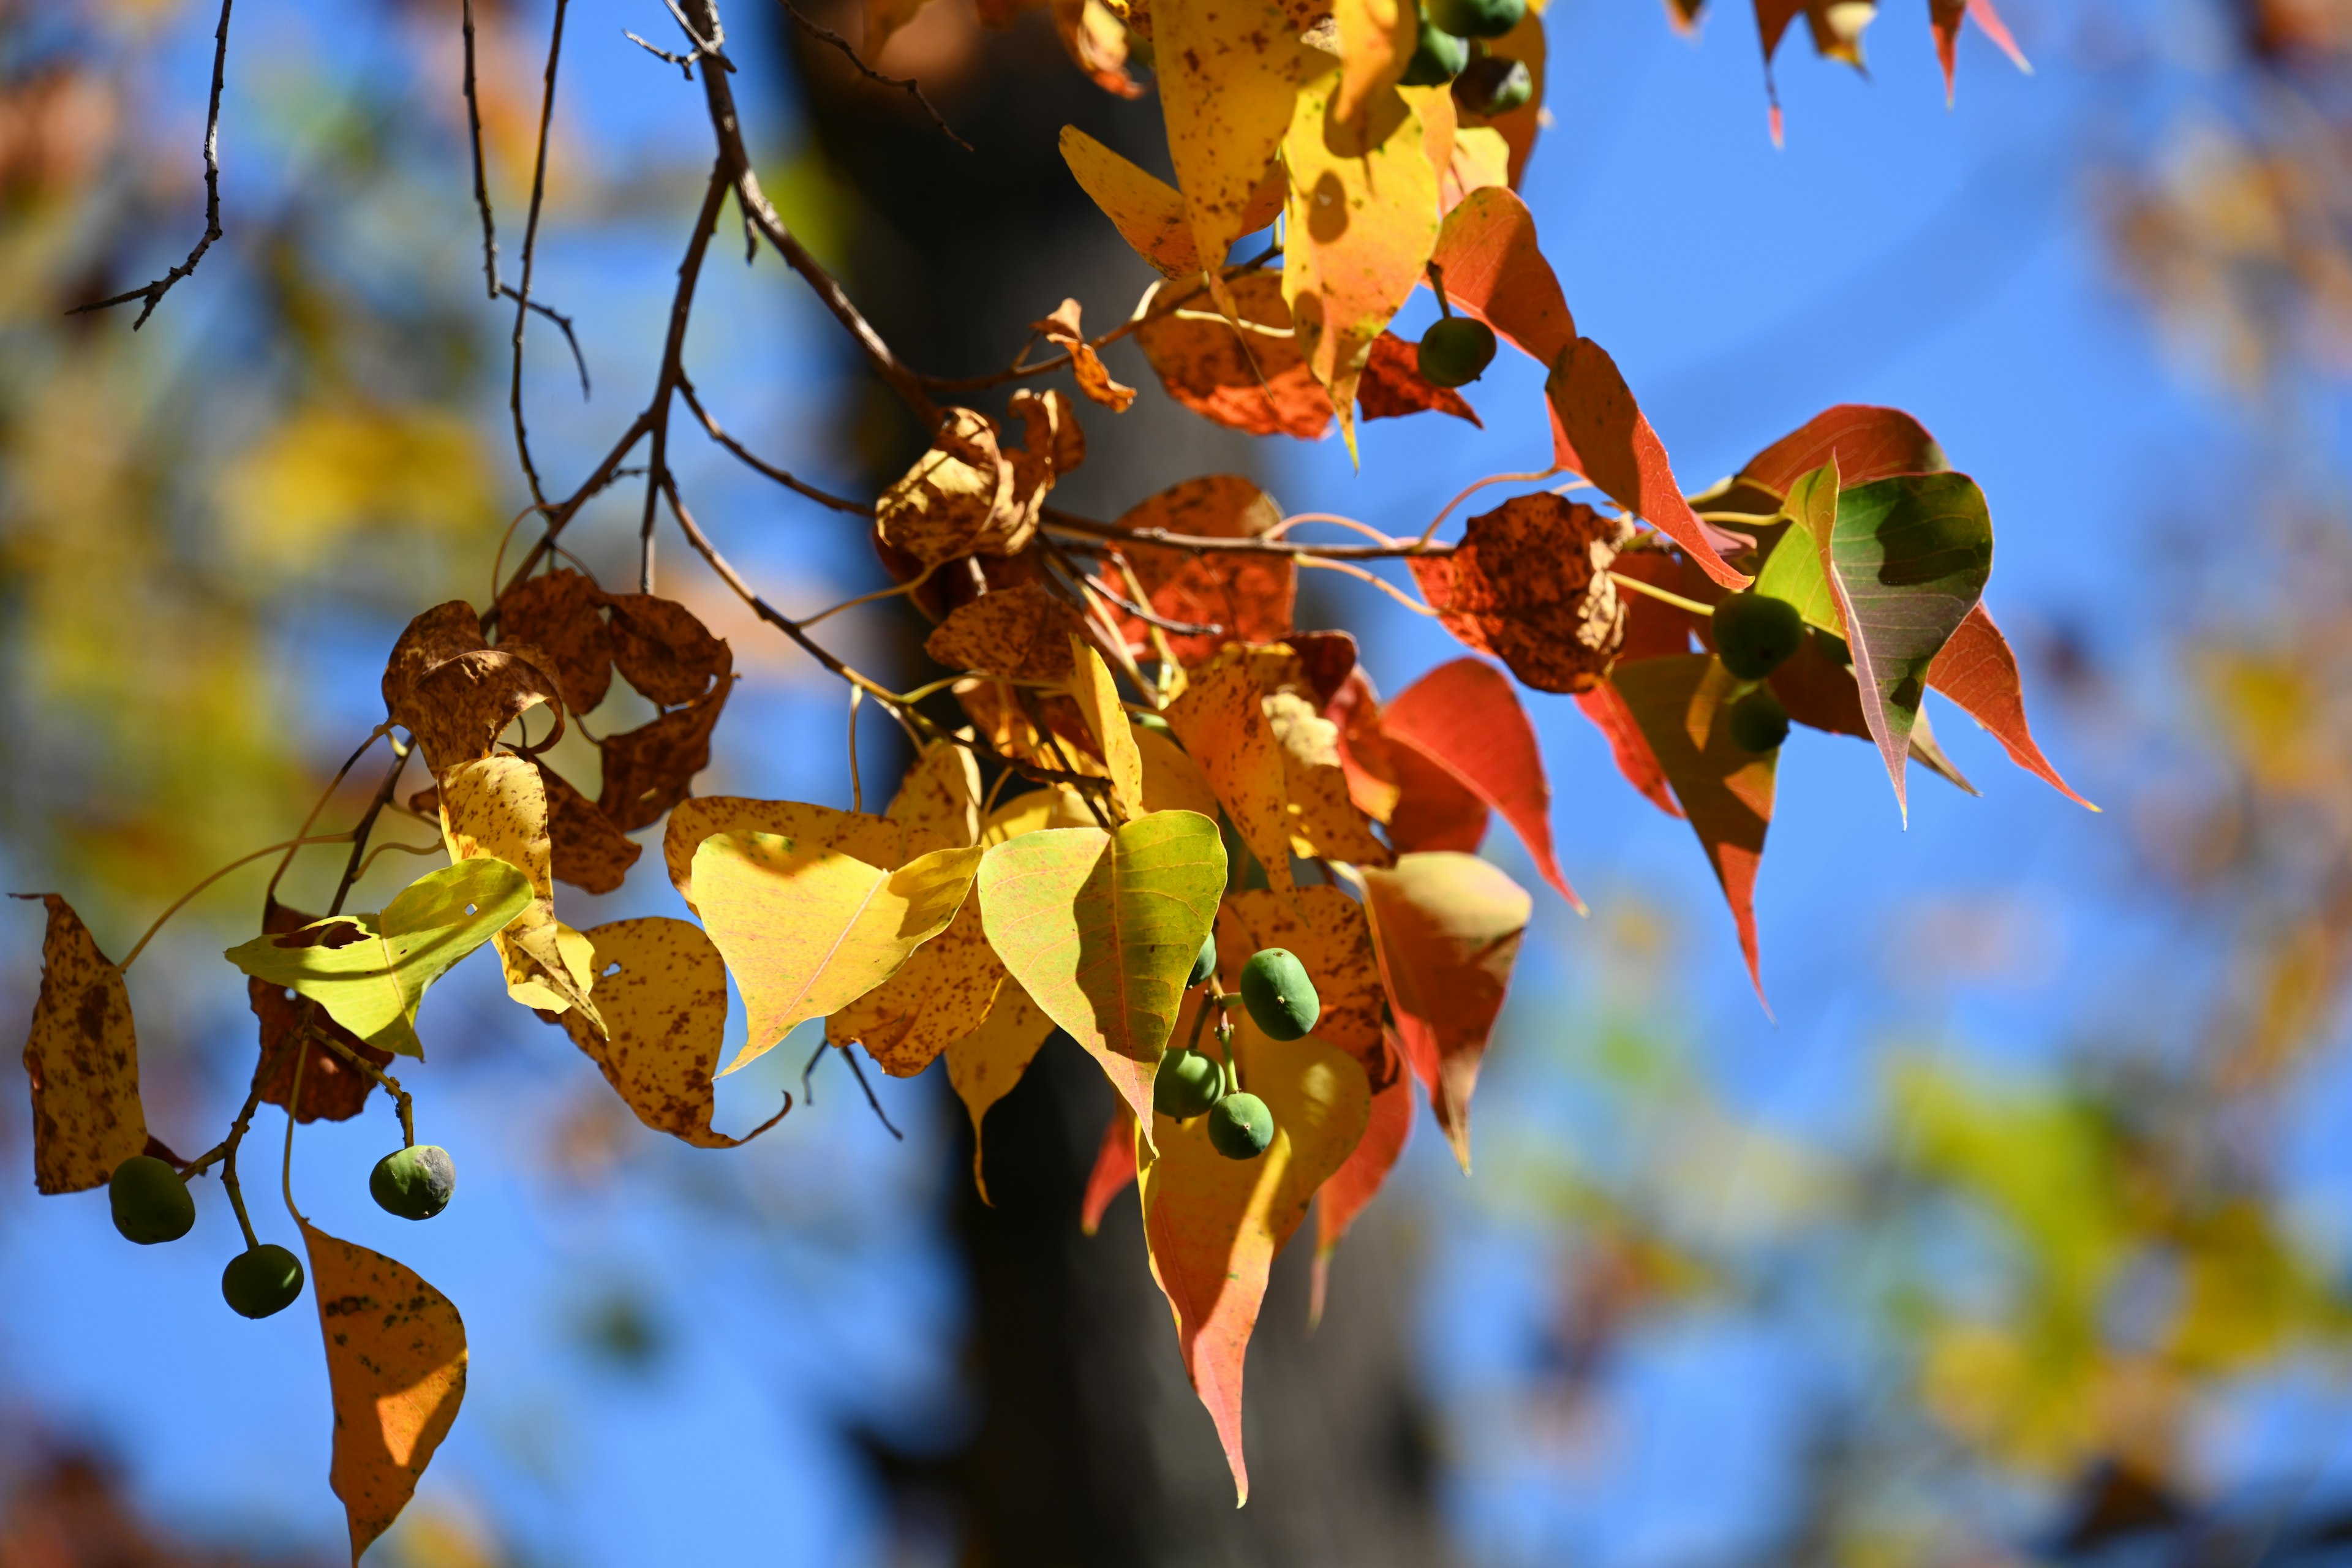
(1382, 583)
(529, 251)
(1064, 522)
(673, 362)
(481, 182)
(182, 902)
(353, 866)
(759, 465)
(1152, 617)
(564, 323)
(906, 84)
(1468, 490)
(880, 1115)
(1650, 590)
(154, 292)
(269, 893)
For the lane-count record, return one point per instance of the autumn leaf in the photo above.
(1391, 385)
(1113, 1171)
(1062, 329)
(1148, 212)
(1869, 443)
(661, 987)
(1351, 1189)
(1056, 806)
(1377, 38)
(1253, 377)
(1328, 930)
(585, 849)
(82, 1056)
(945, 991)
(1221, 723)
(1976, 670)
(1945, 15)
(396, 1367)
(1097, 696)
(1323, 821)
(971, 493)
(1464, 718)
(938, 801)
(496, 808)
(1227, 71)
(1021, 634)
(1247, 598)
(985, 1065)
(455, 695)
(1213, 1225)
(1096, 40)
(1530, 583)
(1446, 927)
(805, 929)
(649, 769)
(1102, 929)
(877, 840)
(1909, 559)
(295, 1036)
(663, 650)
(1606, 707)
(1725, 790)
(560, 613)
(1797, 572)
(371, 972)
(1362, 220)
(1598, 431)
(1492, 271)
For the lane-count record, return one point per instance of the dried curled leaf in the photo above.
(663, 650)
(1064, 331)
(1097, 42)
(972, 495)
(396, 1365)
(1530, 583)
(1246, 597)
(497, 808)
(82, 1057)
(662, 988)
(455, 695)
(333, 1088)
(648, 770)
(1253, 377)
(1021, 634)
(560, 613)
(588, 850)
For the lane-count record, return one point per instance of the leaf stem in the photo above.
(1652, 590)
(182, 903)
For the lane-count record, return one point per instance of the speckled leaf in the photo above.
(1252, 377)
(586, 850)
(396, 1365)
(1022, 633)
(1228, 70)
(496, 808)
(1148, 212)
(1097, 696)
(1328, 930)
(944, 992)
(1247, 598)
(82, 1056)
(663, 989)
(938, 800)
(1221, 722)
(877, 840)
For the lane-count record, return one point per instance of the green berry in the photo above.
(1758, 722)
(1437, 59)
(415, 1183)
(1455, 350)
(1475, 18)
(1205, 963)
(1279, 997)
(1240, 1126)
(1754, 636)
(151, 1203)
(262, 1281)
(1491, 85)
(1187, 1084)
(1151, 722)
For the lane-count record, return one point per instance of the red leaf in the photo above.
(1945, 15)
(1598, 431)
(1114, 1167)
(1654, 629)
(1248, 596)
(1486, 253)
(1609, 715)
(1351, 1188)
(1978, 670)
(1434, 809)
(1464, 717)
(1391, 385)
(1869, 443)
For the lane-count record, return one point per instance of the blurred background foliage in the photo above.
(2083, 1296)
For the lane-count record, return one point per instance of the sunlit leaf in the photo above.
(1464, 717)
(1022, 634)
(1252, 377)
(1097, 696)
(1530, 583)
(496, 808)
(1328, 930)
(1976, 670)
(82, 1056)
(1113, 1171)
(298, 1035)
(1221, 723)
(1351, 1188)
(939, 799)
(944, 992)
(1247, 598)
(1493, 270)
(1227, 72)
(586, 848)
(877, 840)
(1393, 386)
(986, 1064)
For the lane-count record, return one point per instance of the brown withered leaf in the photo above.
(1001, 714)
(396, 1367)
(1530, 583)
(1062, 329)
(1255, 380)
(435, 637)
(663, 650)
(590, 853)
(82, 1056)
(649, 769)
(1023, 634)
(1391, 385)
(1051, 444)
(1097, 42)
(455, 695)
(968, 495)
(661, 987)
(333, 1088)
(559, 612)
(1249, 599)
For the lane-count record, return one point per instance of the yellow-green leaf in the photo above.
(1097, 696)
(1796, 570)
(496, 808)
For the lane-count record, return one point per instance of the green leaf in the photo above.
(371, 972)
(1794, 571)
(1909, 559)
(1102, 929)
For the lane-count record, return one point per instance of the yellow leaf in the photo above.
(1172, 781)
(663, 991)
(1097, 696)
(938, 800)
(1223, 726)
(1376, 38)
(985, 1064)
(1148, 212)
(82, 1056)
(1228, 70)
(1324, 821)
(1363, 221)
(877, 840)
(1213, 1225)
(397, 1366)
(496, 808)
(1056, 806)
(805, 931)
(943, 992)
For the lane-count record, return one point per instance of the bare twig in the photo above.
(564, 324)
(1149, 616)
(1087, 527)
(154, 292)
(366, 825)
(530, 249)
(681, 310)
(481, 182)
(905, 84)
(879, 1114)
(683, 62)
(759, 466)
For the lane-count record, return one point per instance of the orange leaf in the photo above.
(1530, 583)
(1376, 38)
(1328, 930)
(1247, 598)
(1253, 378)
(1021, 634)
(1114, 1167)
(1869, 443)
(82, 1056)
(396, 1365)
(1486, 253)
(1466, 718)
(1096, 40)
(1634, 759)
(1447, 928)
(1353, 1186)
(1978, 670)
(1945, 15)
(1598, 431)
(1221, 722)
(1393, 388)
(1062, 330)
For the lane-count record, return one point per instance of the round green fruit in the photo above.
(1205, 963)
(1491, 85)
(151, 1203)
(1455, 350)
(1754, 636)
(262, 1281)
(1240, 1126)
(1437, 59)
(1475, 18)
(414, 1183)
(1758, 722)
(1280, 998)
(1187, 1084)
